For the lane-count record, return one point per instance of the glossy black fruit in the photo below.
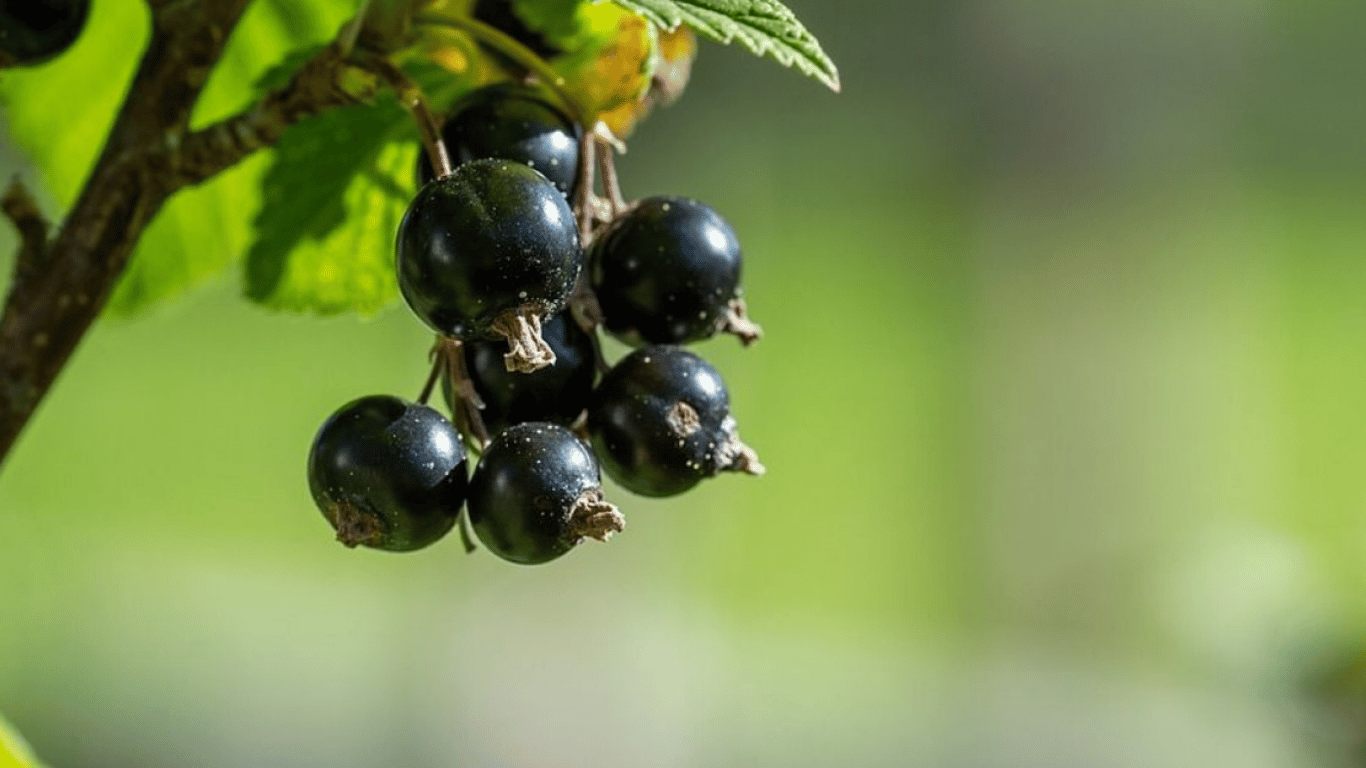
(661, 422)
(33, 31)
(557, 393)
(666, 272)
(511, 123)
(536, 493)
(388, 474)
(488, 244)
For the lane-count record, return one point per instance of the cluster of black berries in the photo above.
(491, 255)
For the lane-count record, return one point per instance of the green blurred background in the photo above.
(1061, 398)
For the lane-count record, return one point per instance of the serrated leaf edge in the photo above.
(760, 42)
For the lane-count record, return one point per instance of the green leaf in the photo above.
(765, 27)
(555, 19)
(279, 75)
(337, 187)
(334, 195)
(199, 231)
(203, 230)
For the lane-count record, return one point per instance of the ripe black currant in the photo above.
(536, 493)
(660, 421)
(490, 251)
(512, 123)
(668, 272)
(388, 473)
(557, 393)
(33, 31)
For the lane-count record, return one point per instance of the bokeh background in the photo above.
(1061, 398)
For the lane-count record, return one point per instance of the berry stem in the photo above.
(463, 523)
(583, 186)
(411, 97)
(467, 401)
(611, 184)
(437, 355)
(583, 305)
(508, 46)
(430, 129)
(448, 357)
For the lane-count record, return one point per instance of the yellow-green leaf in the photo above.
(199, 231)
(334, 195)
(336, 189)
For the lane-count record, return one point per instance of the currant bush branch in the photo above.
(149, 155)
(312, 89)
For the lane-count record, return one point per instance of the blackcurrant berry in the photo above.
(660, 421)
(668, 272)
(388, 473)
(33, 31)
(511, 123)
(536, 493)
(557, 393)
(488, 252)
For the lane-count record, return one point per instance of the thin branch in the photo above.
(312, 89)
(150, 153)
(32, 226)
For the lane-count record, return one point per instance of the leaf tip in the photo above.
(832, 79)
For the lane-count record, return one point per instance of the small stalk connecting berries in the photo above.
(448, 365)
(611, 185)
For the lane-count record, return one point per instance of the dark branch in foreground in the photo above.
(149, 155)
